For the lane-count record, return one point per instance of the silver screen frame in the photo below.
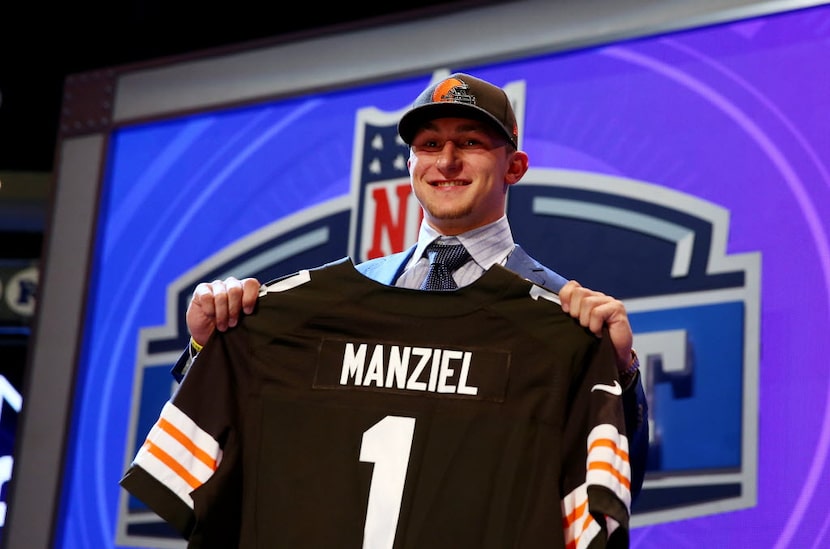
(164, 88)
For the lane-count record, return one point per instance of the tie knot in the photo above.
(451, 255)
(443, 260)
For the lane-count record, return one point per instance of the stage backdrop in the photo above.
(685, 172)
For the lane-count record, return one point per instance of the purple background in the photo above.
(735, 114)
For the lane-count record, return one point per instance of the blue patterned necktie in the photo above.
(443, 260)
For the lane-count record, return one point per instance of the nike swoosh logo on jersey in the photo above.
(614, 389)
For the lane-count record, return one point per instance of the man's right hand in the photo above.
(218, 305)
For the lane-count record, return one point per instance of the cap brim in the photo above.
(418, 117)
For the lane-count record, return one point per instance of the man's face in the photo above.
(460, 170)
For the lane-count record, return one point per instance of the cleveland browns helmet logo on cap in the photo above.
(453, 90)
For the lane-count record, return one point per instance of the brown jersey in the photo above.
(346, 413)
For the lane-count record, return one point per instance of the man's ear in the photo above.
(517, 167)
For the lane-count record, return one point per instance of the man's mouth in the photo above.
(449, 183)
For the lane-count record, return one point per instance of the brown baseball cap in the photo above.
(461, 96)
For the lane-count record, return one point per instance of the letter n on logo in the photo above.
(391, 219)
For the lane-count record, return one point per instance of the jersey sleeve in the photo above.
(597, 474)
(188, 448)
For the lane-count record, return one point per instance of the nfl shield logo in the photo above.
(387, 215)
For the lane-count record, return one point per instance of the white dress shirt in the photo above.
(487, 246)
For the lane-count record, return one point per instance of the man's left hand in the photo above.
(593, 309)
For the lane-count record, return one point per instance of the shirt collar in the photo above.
(487, 245)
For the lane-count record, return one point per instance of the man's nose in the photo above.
(448, 156)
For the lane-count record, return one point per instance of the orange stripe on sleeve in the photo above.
(605, 466)
(174, 465)
(586, 524)
(185, 441)
(574, 515)
(608, 443)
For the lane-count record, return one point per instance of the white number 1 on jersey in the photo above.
(386, 444)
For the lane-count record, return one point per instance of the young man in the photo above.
(464, 156)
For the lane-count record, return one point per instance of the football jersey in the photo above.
(344, 413)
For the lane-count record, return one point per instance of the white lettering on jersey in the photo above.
(446, 370)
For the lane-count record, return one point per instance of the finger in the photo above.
(250, 294)
(220, 304)
(596, 319)
(202, 300)
(566, 294)
(233, 287)
(590, 314)
(592, 309)
(583, 302)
